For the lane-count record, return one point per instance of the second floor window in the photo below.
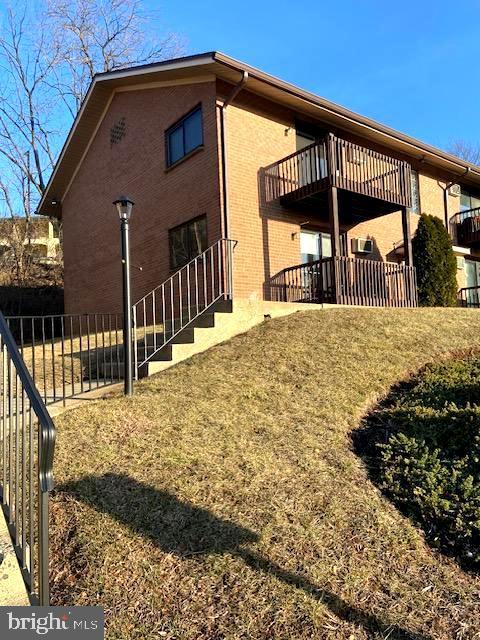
(184, 136)
(187, 241)
(468, 201)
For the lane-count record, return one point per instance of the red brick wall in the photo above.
(136, 166)
(258, 134)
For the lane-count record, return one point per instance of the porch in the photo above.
(348, 281)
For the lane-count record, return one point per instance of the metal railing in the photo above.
(27, 440)
(465, 227)
(469, 297)
(349, 281)
(165, 311)
(71, 353)
(336, 162)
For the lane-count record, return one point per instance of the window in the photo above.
(187, 241)
(185, 136)
(468, 201)
(415, 192)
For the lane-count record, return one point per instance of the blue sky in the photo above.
(411, 65)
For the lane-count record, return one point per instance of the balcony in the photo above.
(348, 281)
(369, 183)
(465, 228)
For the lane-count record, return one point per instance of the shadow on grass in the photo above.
(184, 530)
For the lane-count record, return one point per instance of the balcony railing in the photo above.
(469, 297)
(349, 281)
(465, 227)
(335, 162)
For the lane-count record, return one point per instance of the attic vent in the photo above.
(118, 131)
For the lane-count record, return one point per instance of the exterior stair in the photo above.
(202, 332)
(218, 324)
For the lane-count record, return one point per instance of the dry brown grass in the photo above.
(225, 499)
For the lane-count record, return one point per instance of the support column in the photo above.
(333, 219)
(407, 239)
(335, 238)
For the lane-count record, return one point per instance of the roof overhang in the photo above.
(218, 65)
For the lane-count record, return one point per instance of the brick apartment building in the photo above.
(208, 148)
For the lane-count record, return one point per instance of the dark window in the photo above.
(185, 136)
(187, 241)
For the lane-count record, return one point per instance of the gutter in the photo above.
(350, 116)
(223, 146)
(445, 194)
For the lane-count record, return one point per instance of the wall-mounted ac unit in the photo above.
(356, 156)
(460, 262)
(362, 245)
(455, 190)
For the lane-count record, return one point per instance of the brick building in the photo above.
(208, 147)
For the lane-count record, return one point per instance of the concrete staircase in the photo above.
(219, 323)
(199, 335)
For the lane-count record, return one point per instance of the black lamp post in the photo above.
(124, 208)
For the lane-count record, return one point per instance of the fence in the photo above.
(27, 439)
(71, 353)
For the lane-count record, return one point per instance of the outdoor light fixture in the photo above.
(124, 207)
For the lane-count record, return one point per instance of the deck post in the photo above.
(407, 239)
(335, 238)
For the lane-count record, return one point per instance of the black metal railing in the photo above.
(465, 227)
(349, 281)
(340, 163)
(168, 309)
(469, 297)
(70, 354)
(27, 440)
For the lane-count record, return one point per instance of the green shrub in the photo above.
(430, 463)
(435, 262)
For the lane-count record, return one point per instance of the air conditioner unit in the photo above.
(362, 245)
(455, 190)
(460, 262)
(356, 156)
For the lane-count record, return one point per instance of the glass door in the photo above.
(472, 279)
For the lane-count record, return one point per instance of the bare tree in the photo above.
(52, 49)
(99, 36)
(466, 150)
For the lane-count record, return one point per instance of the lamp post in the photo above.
(124, 207)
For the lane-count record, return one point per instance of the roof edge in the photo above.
(338, 110)
(164, 65)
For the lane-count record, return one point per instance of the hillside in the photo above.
(225, 500)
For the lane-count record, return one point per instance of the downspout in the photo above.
(445, 195)
(223, 145)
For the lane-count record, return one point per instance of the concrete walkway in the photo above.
(12, 587)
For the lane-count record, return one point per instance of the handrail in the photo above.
(465, 226)
(467, 213)
(21, 463)
(349, 281)
(161, 314)
(469, 297)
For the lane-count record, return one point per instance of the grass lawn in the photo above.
(225, 499)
